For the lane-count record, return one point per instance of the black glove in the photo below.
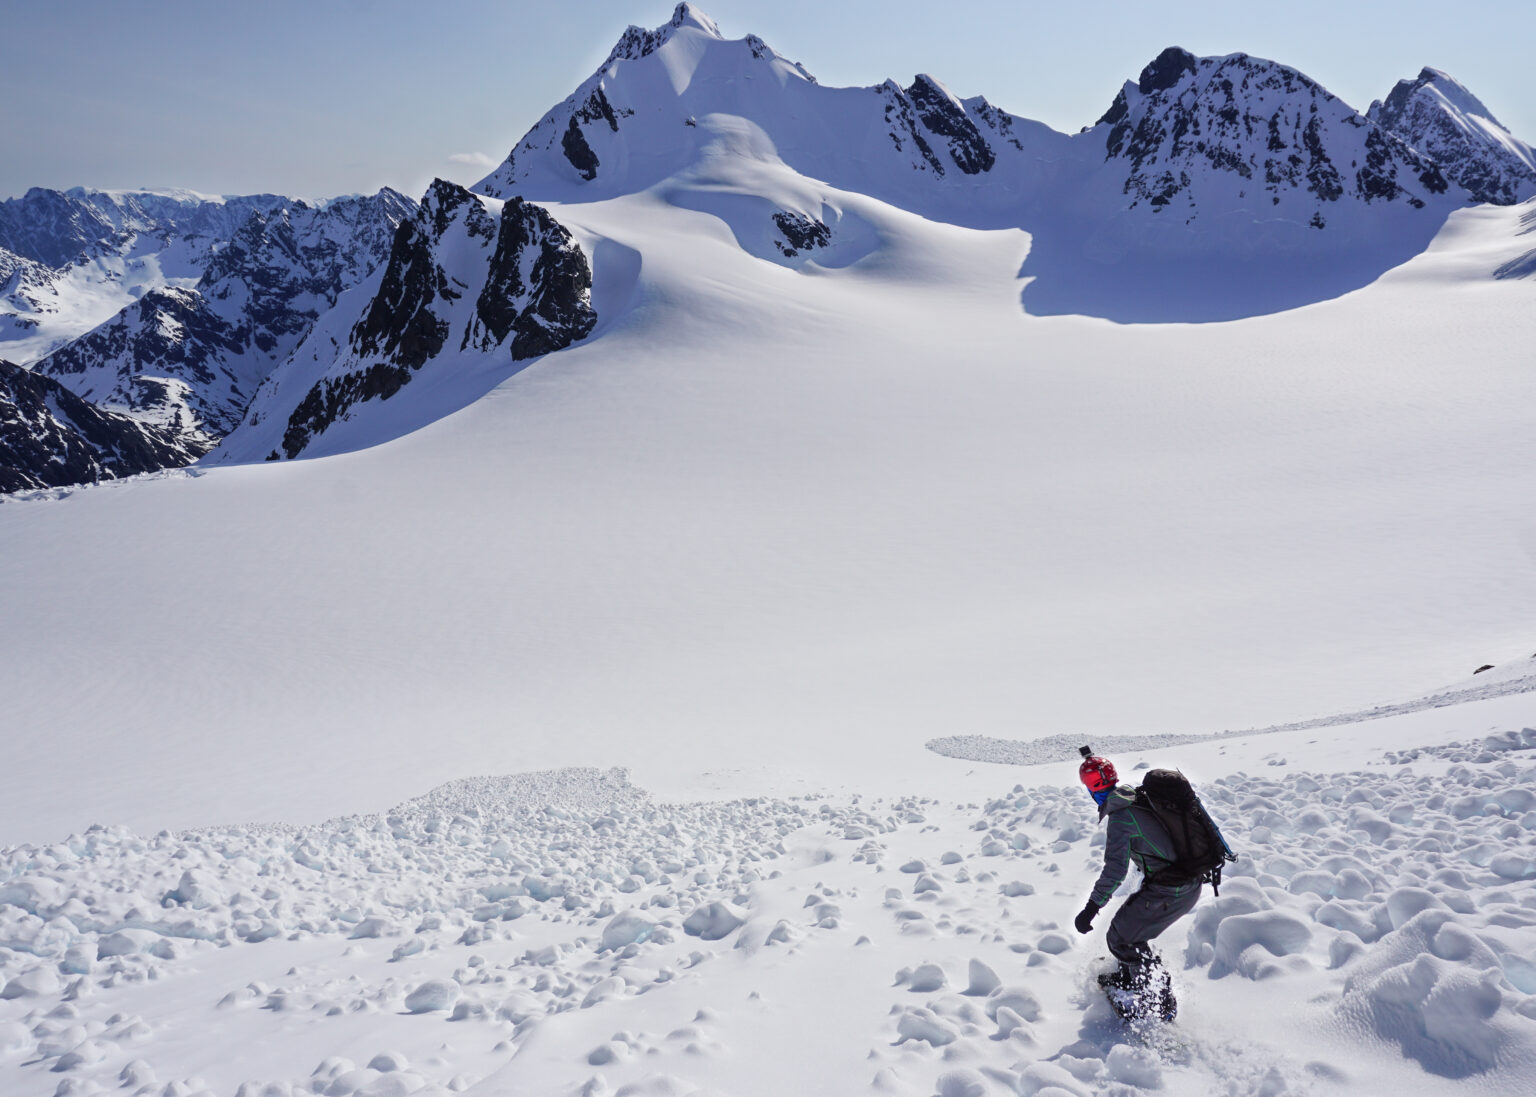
(1084, 920)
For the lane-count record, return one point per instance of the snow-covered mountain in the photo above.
(58, 228)
(1224, 186)
(49, 437)
(469, 282)
(1449, 125)
(207, 347)
(1212, 188)
(1191, 123)
(90, 253)
(648, 113)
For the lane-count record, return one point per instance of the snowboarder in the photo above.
(1169, 889)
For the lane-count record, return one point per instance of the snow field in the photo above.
(842, 512)
(562, 933)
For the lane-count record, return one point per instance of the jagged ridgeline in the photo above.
(258, 294)
(465, 275)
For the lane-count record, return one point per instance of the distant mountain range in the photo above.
(1211, 188)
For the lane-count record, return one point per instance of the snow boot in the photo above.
(1140, 990)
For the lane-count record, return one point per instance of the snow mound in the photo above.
(579, 790)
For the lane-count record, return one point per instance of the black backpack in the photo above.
(1199, 850)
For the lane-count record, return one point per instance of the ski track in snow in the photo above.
(561, 933)
(1055, 748)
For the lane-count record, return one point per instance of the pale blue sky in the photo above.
(323, 97)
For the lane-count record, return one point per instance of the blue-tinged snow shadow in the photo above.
(1135, 270)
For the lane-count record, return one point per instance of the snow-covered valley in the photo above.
(744, 623)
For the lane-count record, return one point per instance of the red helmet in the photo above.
(1098, 773)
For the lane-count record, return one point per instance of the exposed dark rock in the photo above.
(637, 42)
(573, 142)
(578, 152)
(1166, 70)
(58, 228)
(168, 334)
(902, 123)
(1374, 181)
(801, 233)
(1117, 110)
(597, 106)
(1000, 121)
(534, 300)
(49, 437)
(1175, 123)
(550, 311)
(945, 118)
(329, 400)
(1450, 127)
(400, 324)
(50, 227)
(1322, 177)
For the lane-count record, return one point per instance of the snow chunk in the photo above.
(1019, 999)
(713, 921)
(1277, 932)
(628, 927)
(927, 979)
(962, 1083)
(983, 980)
(40, 982)
(924, 1025)
(1134, 1066)
(432, 995)
(1443, 1015)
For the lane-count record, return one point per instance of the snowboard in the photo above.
(1148, 998)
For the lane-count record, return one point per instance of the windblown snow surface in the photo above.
(711, 580)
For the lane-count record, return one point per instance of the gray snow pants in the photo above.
(1148, 912)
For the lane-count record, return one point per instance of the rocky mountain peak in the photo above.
(1440, 88)
(464, 275)
(686, 15)
(637, 42)
(1200, 133)
(1166, 70)
(1445, 122)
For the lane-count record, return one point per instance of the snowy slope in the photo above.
(1451, 126)
(809, 519)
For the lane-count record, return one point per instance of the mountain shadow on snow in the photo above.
(1108, 269)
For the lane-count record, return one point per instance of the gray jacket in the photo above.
(1134, 835)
